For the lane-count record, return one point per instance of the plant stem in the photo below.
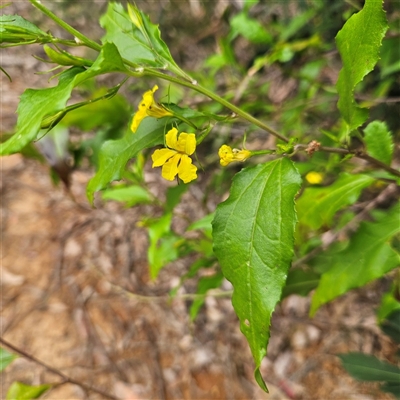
(225, 103)
(55, 371)
(84, 39)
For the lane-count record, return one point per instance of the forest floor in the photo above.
(69, 274)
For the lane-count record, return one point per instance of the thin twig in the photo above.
(357, 154)
(65, 378)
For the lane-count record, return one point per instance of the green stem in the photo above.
(84, 39)
(225, 103)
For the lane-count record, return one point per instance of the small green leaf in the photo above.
(20, 391)
(389, 303)
(163, 244)
(36, 104)
(204, 285)
(6, 358)
(131, 195)
(114, 154)
(174, 195)
(368, 256)
(379, 142)
(249, 28)
(253, 234)
(300, 282)
(317, 206)
(391, 325)
(359, 42)
(369, 368)
(15, 29)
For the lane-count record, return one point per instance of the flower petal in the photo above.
(186, 170)
(170, 168)
(171, 138)
(144, 105)
(160, 157)
(225, 154)
(186, 143)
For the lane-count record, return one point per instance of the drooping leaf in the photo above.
(15, 29)
(369, 368)
(300, 282)
(204, 285)
(379, 142)
(36, 104)
(368, 256)
(317, 206)
(162, 248)
(389, 303)
(114, 154)
(391, 325)
(249, 28)
(21, 391)
(358, 43)
(6, 358)
(253, 234)
(130, 195)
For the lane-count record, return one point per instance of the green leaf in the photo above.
(391, 325)
(20, 391)
(174, 195)
(379, 142)
(131, 195)
(204, 285)
(114, 154)
(369, 368)
(137, 39)
(300, 282)
(358, 42)
(6, 358)
(253, 240)
(249, 28)
(15, 29)
(317, 206)
(393, 388)
(368, 256)
(163, 244)
(389, 303)
(36, 104)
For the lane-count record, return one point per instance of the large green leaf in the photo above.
(379, 142)
(6, 358)
(317, 206)
(36, 104)
(253, 240)
(20, 391)
(358, 42)
(369, 368)
(368, 256)
(114, 154)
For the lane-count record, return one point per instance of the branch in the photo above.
(357, 153)
(349, 227)
(55, 371)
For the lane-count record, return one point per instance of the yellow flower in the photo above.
(315, 178)
(175, 159)
(148, 107)
(228, 155)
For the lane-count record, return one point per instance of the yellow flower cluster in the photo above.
(175, 157)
